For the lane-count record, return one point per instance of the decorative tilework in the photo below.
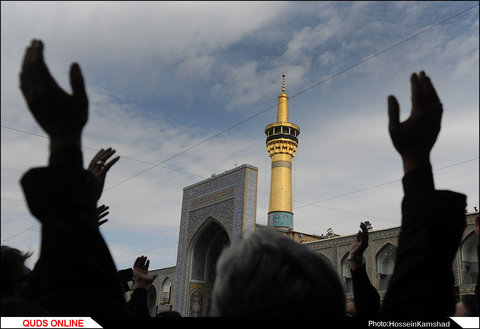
(196, 303)
(250, 211)
(225, 202)
(236, 216)
(212, 198)
(287, 164)
(281, 219)
(335, 248)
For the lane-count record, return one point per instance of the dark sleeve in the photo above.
(138, 303)
(75, 273)
(432, 225)
(365, 296)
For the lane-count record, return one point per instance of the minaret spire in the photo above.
(282, 107)
(282, 145)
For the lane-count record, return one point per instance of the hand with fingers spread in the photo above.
(99, 166)
(415, 137)
(102, 211)
(60, 114)
(140, 273)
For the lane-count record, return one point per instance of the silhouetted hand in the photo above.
(140, 273)
(358, 247)
(61, 115)
(99, 167)
(361, 241)
(102, 211)
(415, 137)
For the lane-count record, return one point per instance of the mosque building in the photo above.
(221, 210)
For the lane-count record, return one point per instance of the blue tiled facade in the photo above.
(221, 210)
(221, 206)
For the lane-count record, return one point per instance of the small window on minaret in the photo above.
(277, 130)
(286, 130)
(270, 131)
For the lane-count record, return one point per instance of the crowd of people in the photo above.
(75, 274)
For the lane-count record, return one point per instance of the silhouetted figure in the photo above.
(14, 271)
(366, 299)
(138, 302)
(432, 221)
(75, 273)
(168, 314)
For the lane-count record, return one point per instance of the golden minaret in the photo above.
(282, 145)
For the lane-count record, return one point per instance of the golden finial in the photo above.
(283, 83)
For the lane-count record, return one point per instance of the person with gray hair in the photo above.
(269, 275)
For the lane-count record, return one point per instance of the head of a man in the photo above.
(14, 271)
(269, 275)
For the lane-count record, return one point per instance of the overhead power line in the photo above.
(306, 204)
(263, 111)
(95, 149)
(295, 95)
(316, 203)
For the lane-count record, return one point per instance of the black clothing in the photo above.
(432, 226)
(365, 296)
(75, 274)
(137, 304)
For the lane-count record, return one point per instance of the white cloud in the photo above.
(131, 51)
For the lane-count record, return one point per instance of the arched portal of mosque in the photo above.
(217, 212)
(205, 250)
(469, 255)
(385, 265)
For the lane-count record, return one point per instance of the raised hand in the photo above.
(361, 241)
(415, 137)
(140, 273)
(61, 115)
(358, 247)
(99, 167)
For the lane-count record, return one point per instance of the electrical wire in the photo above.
(273, 106)
(306, 204)
(261, 112)
(95, 149)
(293, 96)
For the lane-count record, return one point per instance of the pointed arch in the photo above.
(166, 290)
(205, 248)
(346, 274)
(210, 236)
(325, 258)
(385, 260)
(469, 255)
(151, 299)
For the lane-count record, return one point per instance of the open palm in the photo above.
(60, 114)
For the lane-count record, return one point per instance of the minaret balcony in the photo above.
(282, 145)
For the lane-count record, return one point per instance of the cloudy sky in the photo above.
(164, 77)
